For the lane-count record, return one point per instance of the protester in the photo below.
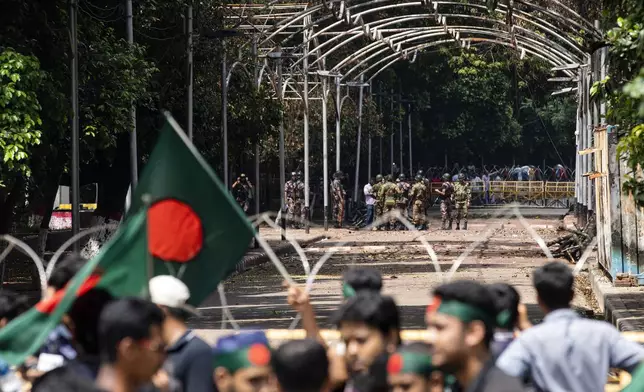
(131, 345)
(369, 325)
(189, 358)
(357, 279)
(578, 352)
(12, 305)
(301, 366)
(507, 301)
(242, 363)
(461, 318)
(410, 370)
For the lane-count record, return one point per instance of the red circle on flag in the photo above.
(175, 232)
(395, 364)
(258, 355)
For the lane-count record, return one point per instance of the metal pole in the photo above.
(400, 132)
(224, 112)
(338, 108)
(134, 170)
(282, 164)
(190, 69)
(256, 84)
(325, 153)
(381, 152)
(411, 163)
(305, 66)
(73, 14)
(391, 147)
(369, 145)
(357, 179)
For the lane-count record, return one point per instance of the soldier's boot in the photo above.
(465, 225)
(458, 225)
(449, 227)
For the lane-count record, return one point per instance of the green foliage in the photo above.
(20, 120)
(624, 89)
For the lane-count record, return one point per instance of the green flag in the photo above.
(196, 230)
(120, 268)
(637, 381)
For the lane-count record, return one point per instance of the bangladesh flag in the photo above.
(182, 222)
(119, 268)
(197, 232)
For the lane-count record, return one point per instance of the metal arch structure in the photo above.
(359, 39)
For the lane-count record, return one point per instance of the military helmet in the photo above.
(389, 178)
(293, 174)
(299, 174)
(446, 176)
(402, 177)
(461, 177)
(338, 174)
(420, 173)
(242, 175)
(419, 177)
(379, 177)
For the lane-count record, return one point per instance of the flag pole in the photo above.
(147, 201)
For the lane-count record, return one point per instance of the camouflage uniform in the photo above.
(243, 192)
(388, 193)
(299, 209)
(446, 203)
(403, 197)
(418, 195)
(376, 189)
(338, 193)
(290, 197)
(462, 197)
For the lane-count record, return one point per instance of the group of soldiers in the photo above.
(402, 195)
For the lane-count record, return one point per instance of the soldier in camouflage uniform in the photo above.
(428, 188)
(376, 189)
(418, 196)
(290, 197)
(338, 194)
(403, 198)
(445, 194)
(389, 193)
(243, 191)
(299, 198)
(462, 197)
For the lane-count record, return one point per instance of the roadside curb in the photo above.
(622, 306)
(255, 260)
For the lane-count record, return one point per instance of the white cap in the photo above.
(166, 290)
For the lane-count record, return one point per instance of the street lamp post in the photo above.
(277, 56)
(361, 85)
(325, 144)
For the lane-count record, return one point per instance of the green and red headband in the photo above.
(348, 291)
(462, 311)
(410, 363)
(255, 355)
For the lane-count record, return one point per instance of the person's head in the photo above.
(338, 175)
(379, 178)
(446, 177)
(293, 176)
(402, 177)
(507, 302)
(299, 175)
(461, 177)
(370, 326)
(301, 366)
(461, 318)
(130, 339)
(64, 272)
(359, 279)
(242, 363)
(372, 181)
(84, 318)
(410, 369)
(419, 178)
(171, 294)
(243, 178)
(554, 284)
(389, 178)
(12, 305)
(420, 173)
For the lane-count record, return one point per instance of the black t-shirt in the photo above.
(190, 362)
(493, 379)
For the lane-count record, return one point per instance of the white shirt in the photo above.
(368, 195)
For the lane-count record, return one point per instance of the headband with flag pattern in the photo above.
(348, 291)
(406, 362)
(242, 351)
(462, 311)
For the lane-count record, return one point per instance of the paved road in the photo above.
(510, 253)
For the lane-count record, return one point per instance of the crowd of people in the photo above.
(479, 339)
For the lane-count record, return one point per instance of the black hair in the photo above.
(178, 313)
(416, 348)
(375, 379)
(375, 310)
(125, 318)
(474, 294)
(301, 366)
(363, 279)
(63, 379)
(85, 313)
(65, 270)
(12, 304)
(554, 284)
(506, 298)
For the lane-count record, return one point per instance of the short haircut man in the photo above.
(410, 369)
(131, 344)
(507, 300)
(12, 305)
(242, 363)
(370, 326)
(65, 270)
(462, 317)
(301, 366)
(574, 342)
(359, 279)
(189, 358)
